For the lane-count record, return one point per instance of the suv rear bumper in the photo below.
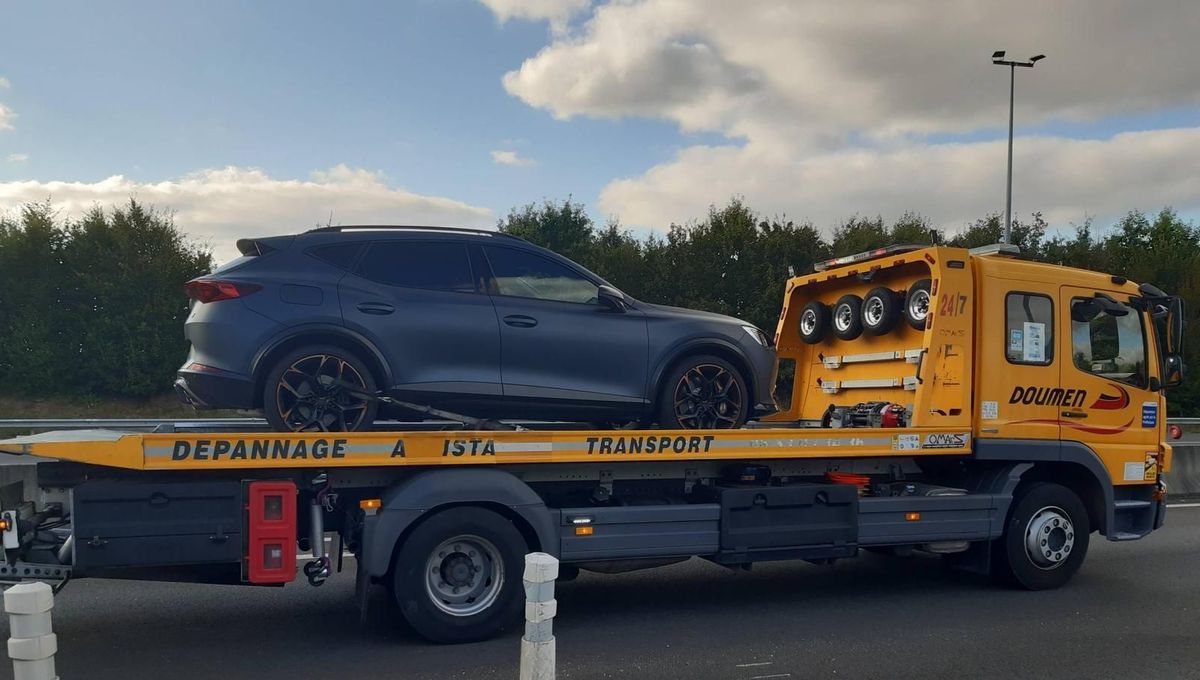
(207, 390)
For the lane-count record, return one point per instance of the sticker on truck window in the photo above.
(1016, 340)
(1033, 349)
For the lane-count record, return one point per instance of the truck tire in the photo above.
(703, 392)
(847, 317)
(458, 575)
(319, 388)
(880, 311)
(814, 322)
(917, 303)
(1045, 539)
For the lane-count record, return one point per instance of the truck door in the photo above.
(1019, 364)
(1107, 403)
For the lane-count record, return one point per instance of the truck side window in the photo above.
(1029, 329)
(1110, 345)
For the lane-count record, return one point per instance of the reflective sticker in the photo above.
(1151, 466)
(990, 410)
(1134, 472)
(1149, 413)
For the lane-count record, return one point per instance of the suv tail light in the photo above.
(207, 290)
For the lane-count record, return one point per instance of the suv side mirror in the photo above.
(1173, 371)
(611, 298)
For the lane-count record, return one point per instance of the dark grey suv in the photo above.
(311, 328)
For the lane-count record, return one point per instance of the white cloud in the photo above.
(557, 12)
(7, 116)
(4, 84)
(951, 184)
(822, 72)
(17, 157)
(510, 158)
(830, 106)
(221, 205)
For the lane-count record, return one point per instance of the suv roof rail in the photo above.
(407, 227)
(867, 255)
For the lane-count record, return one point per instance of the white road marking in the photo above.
(764, 677)
(756, 663)
(1183, 505)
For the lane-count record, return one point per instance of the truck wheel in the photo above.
(319, 388)
(880, 311)
(1045, 539)
(847, 317)
(917, 303)
(703, 392)
(458, 575)
(814, 322)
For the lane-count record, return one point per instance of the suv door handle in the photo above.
(376, 308)
(520, 321)
(1074, 414)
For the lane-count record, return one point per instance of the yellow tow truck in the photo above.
(963, 403)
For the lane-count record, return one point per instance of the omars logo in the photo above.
(1107, 402)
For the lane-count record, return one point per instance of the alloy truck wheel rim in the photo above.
(708, 397)
(321, 393)
(808, 322)
(1049, 538)
(873, 311)
(843, 317)
(918, 305)
(464, 575)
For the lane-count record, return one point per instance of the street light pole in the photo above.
(998, 59)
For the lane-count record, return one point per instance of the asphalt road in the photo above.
(1132, 612)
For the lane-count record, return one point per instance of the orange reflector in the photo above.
(912, 516)
(585, 531)
(1159, 495)
(4, 526)
(371, 503)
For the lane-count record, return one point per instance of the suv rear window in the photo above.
(429, 265)
(341, 255)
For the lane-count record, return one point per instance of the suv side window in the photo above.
(1108, 345)
(418, 264)
(1029, 329)
(518, 273)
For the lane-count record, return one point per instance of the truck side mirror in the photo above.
(611, 298)
(1173, 371)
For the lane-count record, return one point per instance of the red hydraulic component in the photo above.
(271, 532)
(892, 415)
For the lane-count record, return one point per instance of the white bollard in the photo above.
(31, 644)
(537, 645)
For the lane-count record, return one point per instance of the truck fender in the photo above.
(1038, 451)
(415, 497)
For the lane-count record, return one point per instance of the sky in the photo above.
(248, 119)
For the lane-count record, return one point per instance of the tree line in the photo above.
(94, 306)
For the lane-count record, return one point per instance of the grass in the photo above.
(163, 406)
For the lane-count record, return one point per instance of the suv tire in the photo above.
(703, 392)
(319, 388)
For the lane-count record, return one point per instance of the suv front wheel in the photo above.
(703, 393)
(319, 388)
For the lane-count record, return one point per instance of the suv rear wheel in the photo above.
(703, 392)
(319, 388)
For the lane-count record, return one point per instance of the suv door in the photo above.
(557, 341)
(1106, 363)
(418, 301)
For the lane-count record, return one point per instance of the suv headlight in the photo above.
(759, 336)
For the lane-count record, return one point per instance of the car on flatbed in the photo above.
(313, 328)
